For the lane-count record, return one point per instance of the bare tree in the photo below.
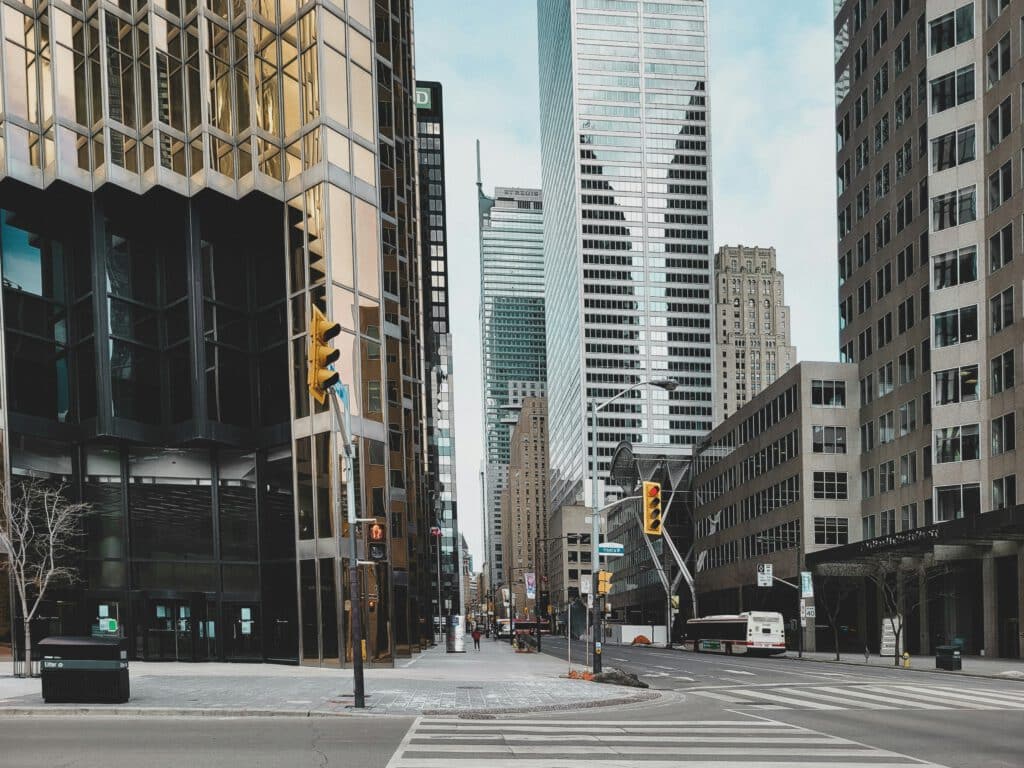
(888, 574)
(836, 583)
(39, 528)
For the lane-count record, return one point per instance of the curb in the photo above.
(894, 668)
(163, 712)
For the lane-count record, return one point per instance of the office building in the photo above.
(929, 178)
(193, 184)
(774, 481)
(626, 172)
(752, 327)
(438, 371)
(525, 503)
(511, 336)
(568, 560)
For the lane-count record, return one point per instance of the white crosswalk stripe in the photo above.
(834, 695)
(545, 743)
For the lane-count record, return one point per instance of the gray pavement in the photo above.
(493, 679)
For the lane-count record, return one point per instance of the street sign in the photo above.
(810, 612)
(806, 584)
(610, 549)
(803, 611)
(585, 585)
(764, 574)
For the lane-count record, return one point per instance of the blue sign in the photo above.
(610, 549)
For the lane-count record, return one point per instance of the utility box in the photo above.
(948, 657)
(84, 670)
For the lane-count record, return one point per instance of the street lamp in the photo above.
(666, 384)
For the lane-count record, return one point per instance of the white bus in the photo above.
(755, 632)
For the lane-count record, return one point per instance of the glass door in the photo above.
(242, 641)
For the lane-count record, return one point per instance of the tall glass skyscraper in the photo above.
(625, 152)
(512, 335)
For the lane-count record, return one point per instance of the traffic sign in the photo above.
(610, 549)
(764, 574)
(810, 612)
(585, 585)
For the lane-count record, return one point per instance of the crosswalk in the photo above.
(550, 743)
(894, 696)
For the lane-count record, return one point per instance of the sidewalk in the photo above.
(972, 666)
(495, 679)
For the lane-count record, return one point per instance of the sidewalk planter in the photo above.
(948, 657)
(84, 669)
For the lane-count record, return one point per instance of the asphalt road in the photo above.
(960, 722)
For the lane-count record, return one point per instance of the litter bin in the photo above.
(84, 669)
(947, 657)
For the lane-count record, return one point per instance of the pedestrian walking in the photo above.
(476, 638)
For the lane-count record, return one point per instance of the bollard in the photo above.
(906, 660)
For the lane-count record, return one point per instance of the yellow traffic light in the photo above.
(652, 508)
(319, 378)
(604, 582)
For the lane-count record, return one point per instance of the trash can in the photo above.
(84, 669)
(947, 657)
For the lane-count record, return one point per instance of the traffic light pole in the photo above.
(344, 425)
(595, 536)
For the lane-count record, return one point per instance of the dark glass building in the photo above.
(179, 186)
(442, 503)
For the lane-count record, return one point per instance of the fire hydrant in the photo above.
(906, 660)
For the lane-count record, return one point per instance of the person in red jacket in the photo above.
(476, 638)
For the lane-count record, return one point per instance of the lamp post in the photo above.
(666, 384)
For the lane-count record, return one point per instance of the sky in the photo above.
(773, 163)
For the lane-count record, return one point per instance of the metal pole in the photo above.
(799, 594)
(440, 619)
(355, 612)
(595, 535)
(536, 586)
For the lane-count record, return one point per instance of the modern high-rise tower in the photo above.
(512, 336)
(625, 150)
(437, 343)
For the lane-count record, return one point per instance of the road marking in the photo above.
(966, 696)
(774, 698)
(856, 695)
(746, 742)
(683, 679)
(737, 672)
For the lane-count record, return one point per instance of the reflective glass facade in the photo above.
(512, 335)
(443, 507)
(625, 150)
(182, 183)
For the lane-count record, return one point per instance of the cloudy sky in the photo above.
(771, 95)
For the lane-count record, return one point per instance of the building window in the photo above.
(1000, 186)
(952, 28)
(953, 148)
(830, 485)
(1000, 310)
(952, 89)
(998, 123)
(998, 60)
(1004, 492)
(955, 267)
(1000, 248)
(828, 439)
(957, 444)
(956, 385)
(908, 417)
(888, 521)
(831, 530)
(956, 501)
(1003, 437)
(867, 483)
(829, 394)
(908, 468)
(908, 516)
(868, 527)
(1001, 372)
(956, 326)
(954, 208)
(886, 428)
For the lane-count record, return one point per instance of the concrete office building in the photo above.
(180, 186)
(512, 338)
(568, 559)
(525, 504)
(753, 325)
(929, 179)
(626, 171)
(437, 344)
(774, 481)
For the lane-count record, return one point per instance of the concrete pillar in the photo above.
(989, 605)
(1020, 601)
(739, 599)
(922, 615)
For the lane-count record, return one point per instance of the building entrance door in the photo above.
(177, 630)
(242, 632)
